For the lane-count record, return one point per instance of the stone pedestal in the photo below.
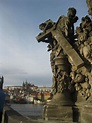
(86, 111)
(86, 114)
(82, 111)
(59, 109)
(57, 112)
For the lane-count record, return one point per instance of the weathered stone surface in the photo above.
(61, 113)
(86, 114)
(11, 116)
(71, 63)
(89, 3)
(68, 49)
(44, 35)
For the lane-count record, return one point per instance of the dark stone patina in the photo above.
(71, 63)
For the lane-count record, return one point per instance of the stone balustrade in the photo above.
(11, 116)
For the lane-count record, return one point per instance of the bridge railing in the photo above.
(12, 116)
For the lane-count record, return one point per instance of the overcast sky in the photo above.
(21, 56)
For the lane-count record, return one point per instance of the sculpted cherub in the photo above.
(89, 3)
(84, 35)
(81, 77)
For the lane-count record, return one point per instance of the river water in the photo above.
(28, 110)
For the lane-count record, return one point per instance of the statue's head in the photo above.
(87, 18)
(85, 21)
(71, 12)
(42, 26)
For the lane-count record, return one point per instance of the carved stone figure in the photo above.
(66, 24)
(66, 74)
(59, 59)
(84, 47)
(71, 61)
(84, 34)
(89, 3)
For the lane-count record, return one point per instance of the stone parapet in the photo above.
(81, 114)
(11, 116)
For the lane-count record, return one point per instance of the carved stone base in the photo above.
(86, 114)
(63, 98)
(83, 111)
(86, 111)
(57, 112)
(60, 108)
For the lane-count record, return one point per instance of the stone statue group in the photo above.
(71, 53)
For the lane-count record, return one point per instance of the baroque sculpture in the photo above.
(89, 3)
(71, 60)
